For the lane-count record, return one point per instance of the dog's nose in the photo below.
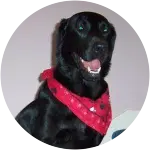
(100, 46)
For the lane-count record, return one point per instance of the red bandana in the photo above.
(96, 114)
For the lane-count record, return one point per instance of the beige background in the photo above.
(28, 53)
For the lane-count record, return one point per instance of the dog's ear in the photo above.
(60, 34)
(107, 63)
(113, 37)
(112, 40)
(62, 29)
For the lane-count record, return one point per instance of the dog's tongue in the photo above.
(94, 64)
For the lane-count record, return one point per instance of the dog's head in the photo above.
(85, 43)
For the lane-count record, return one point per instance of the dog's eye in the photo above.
(81, 28)
(103, 27)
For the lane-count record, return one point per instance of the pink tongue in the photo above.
(94, 64)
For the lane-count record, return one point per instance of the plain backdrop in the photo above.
(29, 51)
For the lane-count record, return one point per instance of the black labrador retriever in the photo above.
(84, 48)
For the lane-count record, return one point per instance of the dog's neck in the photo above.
(80, 86)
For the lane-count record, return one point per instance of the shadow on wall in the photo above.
(53, 59)
(53, 56)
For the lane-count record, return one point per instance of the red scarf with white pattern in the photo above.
(96, 114)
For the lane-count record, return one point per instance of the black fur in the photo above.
(49, 120)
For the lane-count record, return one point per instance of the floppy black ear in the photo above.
(112, 40)
(113, 37)
(62, 30)
(60, 34)
(107, 63)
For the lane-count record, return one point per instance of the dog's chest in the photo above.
(70, 122)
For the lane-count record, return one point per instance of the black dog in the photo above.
(85, 44)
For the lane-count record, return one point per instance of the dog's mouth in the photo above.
(90, 69)
(93, 66)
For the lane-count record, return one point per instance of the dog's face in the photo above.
(85, 43)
